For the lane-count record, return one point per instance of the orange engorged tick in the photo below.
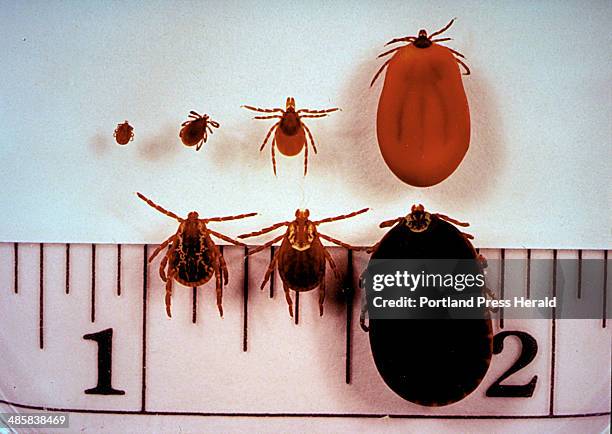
(290, 131)
(423, 119)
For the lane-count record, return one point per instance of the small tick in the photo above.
(301, 257)
(289, 131)
(195, 130)
(124, 133)
(192, 256)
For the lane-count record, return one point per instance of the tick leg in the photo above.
(159, 208)
(265, 246)
(305, 157)
(384, 65)
(364, 306)
(169, 294)
(388, 223)
(390, 51)
(219, 289)
(268, 117)
(161, 247)
(288, 298)
(322, 293)
(442, 40)
(273, 156)
(467, 70)
(332, 263)
(257, 109)
(270, 269)
(443, 29)
(226, 238)
(200, 143)
(223, 265)
(264, 231)
(405, 39)
(318, 111)
(229, 217)
(311, 139)
(452, 220)
(340, 243)
(162, 268)
(272, 128)
(313, 116)
(341, 217)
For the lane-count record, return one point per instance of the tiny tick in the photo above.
(124, 133)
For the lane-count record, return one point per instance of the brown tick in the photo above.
(192, 256)
(301, 256)
(124, 133)
(195, 131)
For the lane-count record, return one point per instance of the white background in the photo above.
(537, 173)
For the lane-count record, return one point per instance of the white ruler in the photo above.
(256, 362)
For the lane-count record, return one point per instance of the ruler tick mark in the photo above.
(245, 296)
(41, 311)
(604, 312)
(93, 283)
(551, 401)
(528, 285)
(118, 269)
(350, 293)
(145, 276)
(16, 267)
(67, 282)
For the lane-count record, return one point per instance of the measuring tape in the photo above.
(84, 330)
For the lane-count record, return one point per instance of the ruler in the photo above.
(84, 330)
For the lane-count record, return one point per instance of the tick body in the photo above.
(431, 362)
(192, 257)
(423, 118)
(124, 133)
(290, 131)
(301, 257)
(194, 131)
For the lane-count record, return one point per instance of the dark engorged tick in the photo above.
(195, 130)
(301, 256)
(423, 117)
(192, 256)
(289, 131)
(431, 362)
(124, 133)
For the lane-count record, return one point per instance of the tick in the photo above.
(192, 257)
(431, 362)
(124, 133)
(423, 118)
(194, 131)
(290, 131)
(301, 257)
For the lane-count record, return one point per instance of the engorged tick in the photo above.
(192, 256)
(289, 130)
